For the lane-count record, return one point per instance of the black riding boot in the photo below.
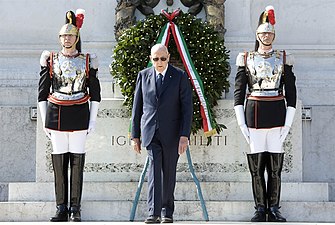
(274, 168)
(77, 162)
(256, 164)
(60, 163)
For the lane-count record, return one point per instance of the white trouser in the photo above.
(265, 140)
(73, 142)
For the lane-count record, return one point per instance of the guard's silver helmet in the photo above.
(266, 21)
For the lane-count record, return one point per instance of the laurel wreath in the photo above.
(206, 47)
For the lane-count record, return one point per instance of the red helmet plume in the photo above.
(271, 14)
(80, 14)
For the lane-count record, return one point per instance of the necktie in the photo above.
(159, 82)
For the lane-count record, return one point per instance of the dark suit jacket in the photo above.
(172, 109)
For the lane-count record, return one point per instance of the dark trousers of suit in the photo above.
(161, 176)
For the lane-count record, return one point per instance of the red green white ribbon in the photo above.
(164, 38)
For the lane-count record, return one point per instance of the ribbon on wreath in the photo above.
(196, 81)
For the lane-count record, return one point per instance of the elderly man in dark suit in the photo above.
(161, 117)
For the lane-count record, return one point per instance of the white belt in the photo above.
(61, 96)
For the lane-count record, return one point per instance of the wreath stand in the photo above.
(195, 179)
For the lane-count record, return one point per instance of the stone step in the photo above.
(179, 222)
(184, 211)
(212, 191)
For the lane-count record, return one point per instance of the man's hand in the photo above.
(183, 143)
(137, 145)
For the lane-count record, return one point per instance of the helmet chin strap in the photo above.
(263, 42)
(72, 46)
(68, 47)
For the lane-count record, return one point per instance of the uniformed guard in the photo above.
(266, 81)
(68, 99)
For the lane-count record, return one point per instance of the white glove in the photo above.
(283, 133)
(43, 111)
(290, 111)
(239, 111)
(91, 127)
(245, 132)
(93, 116)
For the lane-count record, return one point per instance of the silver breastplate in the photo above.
(69, 76)
(265, 72)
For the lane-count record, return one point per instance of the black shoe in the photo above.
(75, 214)
(167, 219)
(62, 214)
(274, 215)
(153, 219)
(260, 215)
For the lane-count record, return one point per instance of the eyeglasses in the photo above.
(161, 58)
